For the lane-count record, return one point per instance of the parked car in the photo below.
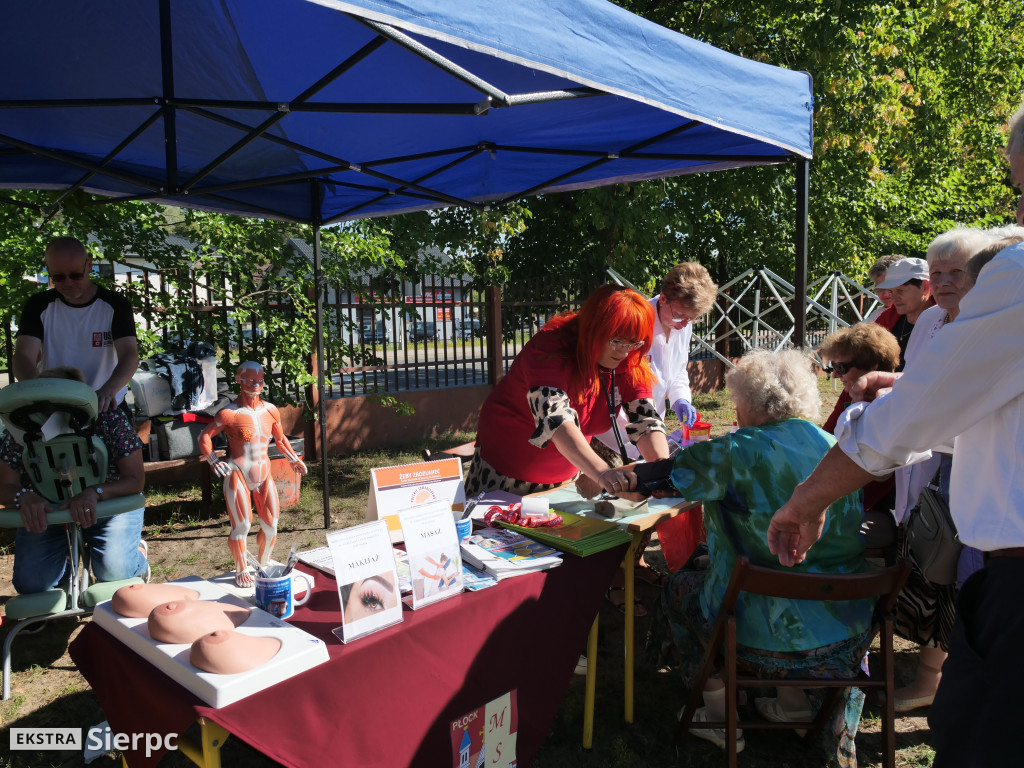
(422, 330)
(470, 328)
(380, 333)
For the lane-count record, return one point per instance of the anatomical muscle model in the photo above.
(249, 423)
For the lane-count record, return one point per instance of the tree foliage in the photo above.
(911, 100)
(253, 276)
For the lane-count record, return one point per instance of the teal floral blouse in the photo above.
(742, 478)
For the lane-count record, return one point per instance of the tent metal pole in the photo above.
(167, 77)
(802, 173)
(321, 406)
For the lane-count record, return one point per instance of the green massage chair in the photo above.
(58, 469)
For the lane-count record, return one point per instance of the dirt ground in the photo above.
(187, 539)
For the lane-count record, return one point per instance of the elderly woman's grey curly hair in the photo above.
(775, 386)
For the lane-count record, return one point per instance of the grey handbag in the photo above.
(932, 538)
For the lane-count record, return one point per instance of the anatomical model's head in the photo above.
(250, 378)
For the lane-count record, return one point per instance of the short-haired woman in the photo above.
(851, 353)
(742, 478)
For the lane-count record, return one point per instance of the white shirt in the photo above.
(668, 358)
(967, 383)
(910, 480)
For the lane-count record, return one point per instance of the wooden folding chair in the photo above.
(884, 584)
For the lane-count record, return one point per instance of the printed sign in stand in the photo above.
(393, 489)
(435, 560)
(487, 735)
(364, 565)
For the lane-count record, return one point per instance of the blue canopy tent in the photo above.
(321, 111)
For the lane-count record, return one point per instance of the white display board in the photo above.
(435, 559)
(364, 566)
(393, 489)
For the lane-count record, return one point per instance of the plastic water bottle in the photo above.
(734, 428)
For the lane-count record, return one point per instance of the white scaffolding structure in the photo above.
(754, 311)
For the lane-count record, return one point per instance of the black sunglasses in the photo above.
(842, 368)
(60, 277)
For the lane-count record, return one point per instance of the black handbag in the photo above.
(932, 538)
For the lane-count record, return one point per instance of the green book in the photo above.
(577, 535)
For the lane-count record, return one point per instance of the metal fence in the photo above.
(443, 332)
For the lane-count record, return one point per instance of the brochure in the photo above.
(475, 579)
(432, 545)
(364, 565)
(393, 489)
(502, 553)
(320, 558)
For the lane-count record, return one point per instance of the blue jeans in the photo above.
(41, 559)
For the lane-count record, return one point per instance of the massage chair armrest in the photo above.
(11, 518)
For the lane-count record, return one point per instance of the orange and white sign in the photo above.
(396, 488)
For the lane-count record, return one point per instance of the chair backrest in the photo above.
(462, 452)
(54, 420)
(885, 583)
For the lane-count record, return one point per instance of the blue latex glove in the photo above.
(685, 412)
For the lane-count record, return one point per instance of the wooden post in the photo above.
(495, 341)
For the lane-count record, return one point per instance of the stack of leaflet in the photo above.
(502, 554)
(577, 535)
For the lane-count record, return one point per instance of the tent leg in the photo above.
(802, 173)
(321, 406)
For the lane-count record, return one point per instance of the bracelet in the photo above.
(19, 494)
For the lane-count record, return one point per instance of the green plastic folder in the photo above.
(577, 535)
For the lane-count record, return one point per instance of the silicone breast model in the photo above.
(185, 621)
(136, 601)
(226, 652)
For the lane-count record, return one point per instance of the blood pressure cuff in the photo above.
(653, 476)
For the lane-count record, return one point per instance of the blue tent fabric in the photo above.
(326, 111)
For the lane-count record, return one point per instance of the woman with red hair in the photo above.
(535, 427)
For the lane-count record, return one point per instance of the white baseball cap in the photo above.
(903, 271)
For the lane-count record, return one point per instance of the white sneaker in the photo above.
(581, 666)
(144, 549)
(715, 735)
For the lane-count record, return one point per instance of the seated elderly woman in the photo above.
(742, 478)
(852, 352)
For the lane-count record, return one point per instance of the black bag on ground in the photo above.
(932, 537)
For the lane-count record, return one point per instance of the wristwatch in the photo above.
(99, 492)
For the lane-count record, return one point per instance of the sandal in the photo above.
(770, 709)
(638, 608)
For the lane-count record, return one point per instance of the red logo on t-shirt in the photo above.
(97, 339)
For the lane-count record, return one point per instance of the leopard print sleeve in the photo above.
(551, 409)
(643, 419)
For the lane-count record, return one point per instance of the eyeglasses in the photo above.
(842, 368)
(686, 315)
(60, 277)
(624, 345)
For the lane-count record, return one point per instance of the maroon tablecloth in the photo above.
(387, 699)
